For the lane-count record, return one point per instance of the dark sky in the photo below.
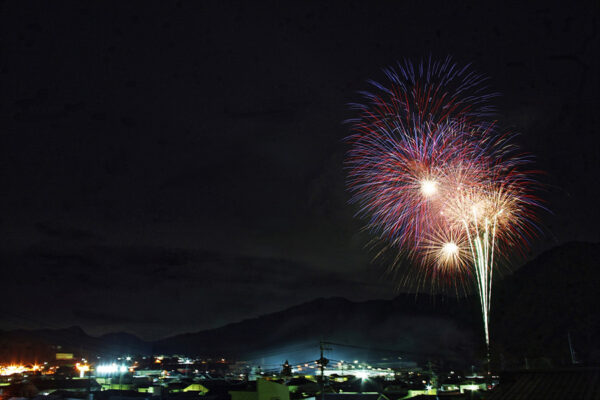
(177, 165)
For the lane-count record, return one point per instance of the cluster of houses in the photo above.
(161, 379)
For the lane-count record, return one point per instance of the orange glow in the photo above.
(6, 370)
(82, 367)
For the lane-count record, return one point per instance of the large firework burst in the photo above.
(435, 179)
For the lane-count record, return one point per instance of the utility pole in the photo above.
(432, 376)
(322, 364)
(89, 383)
(488, 378)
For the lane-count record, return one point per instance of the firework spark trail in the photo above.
(435, 179)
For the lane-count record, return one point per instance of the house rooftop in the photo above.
(559, 384)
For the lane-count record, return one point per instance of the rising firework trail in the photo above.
(436, 180)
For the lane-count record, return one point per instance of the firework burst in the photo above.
(435, 180)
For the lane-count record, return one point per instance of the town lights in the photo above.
(108, 369)
(82, 368)
(362, 375)
(7, 370)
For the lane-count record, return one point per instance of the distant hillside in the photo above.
(533, 312)
(418, 327)
(557, 293)
(30, 346)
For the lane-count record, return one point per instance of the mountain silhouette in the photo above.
(536, 311)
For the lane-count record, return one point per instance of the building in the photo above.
(574, 383)
(265, 390)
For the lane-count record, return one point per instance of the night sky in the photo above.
(178, 165)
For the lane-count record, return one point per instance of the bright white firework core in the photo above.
(428, 187)
(449, 249)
